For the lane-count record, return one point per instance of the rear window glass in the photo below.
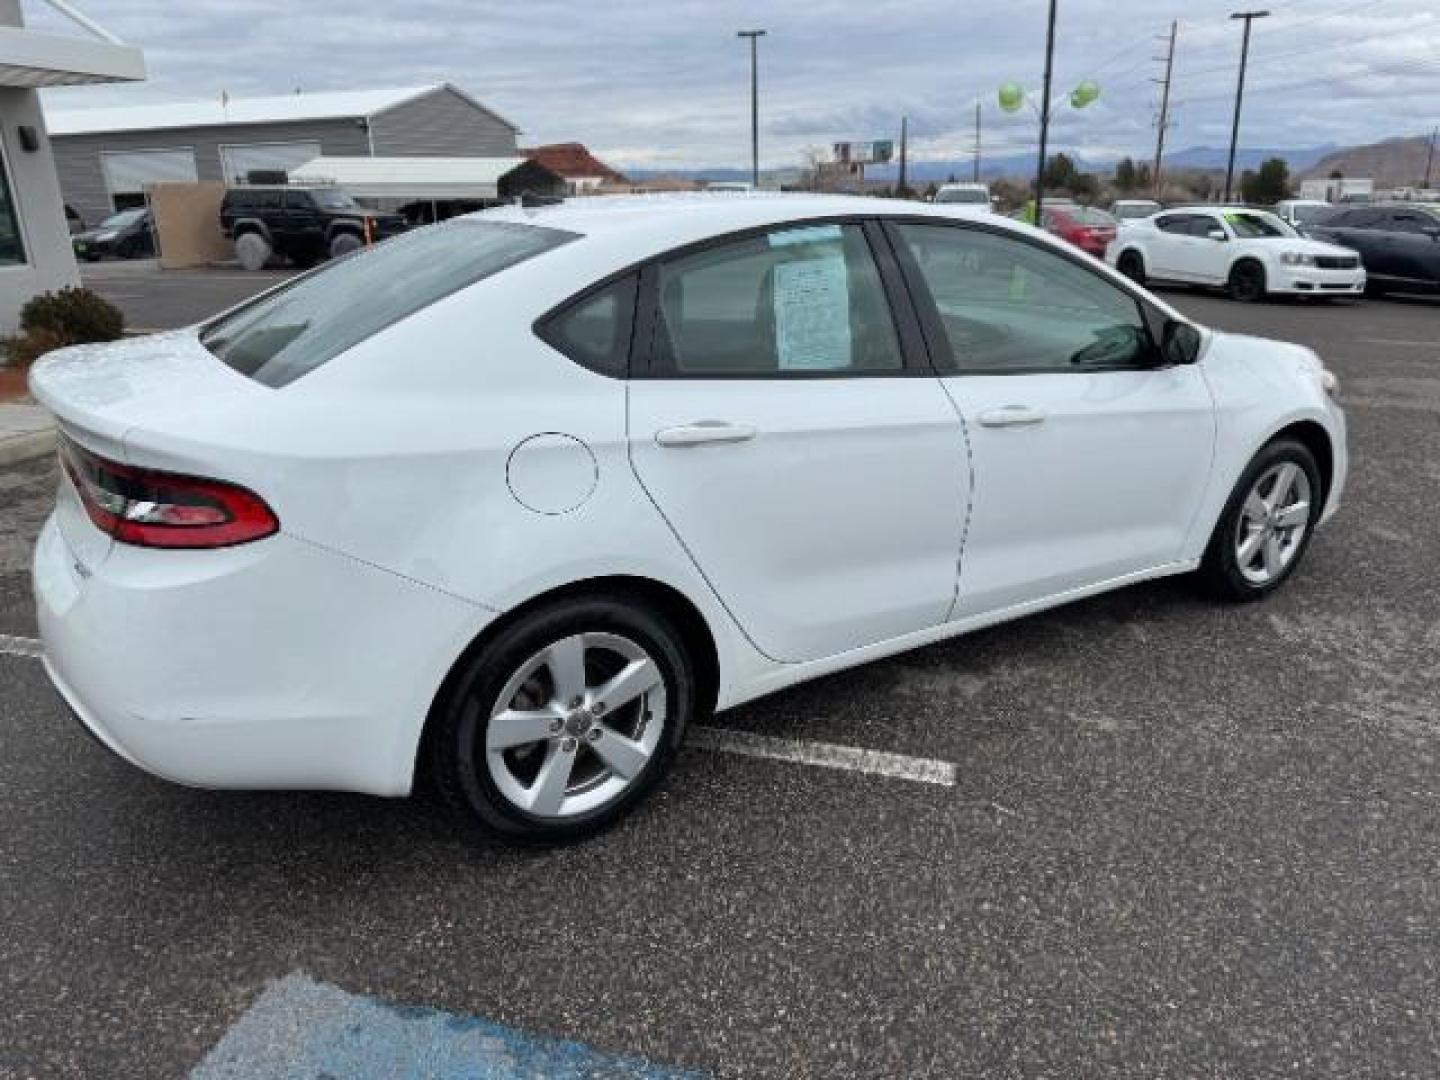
(287, 333)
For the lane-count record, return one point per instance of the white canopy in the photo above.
(410, 177)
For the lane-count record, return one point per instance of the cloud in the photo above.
(662, 84)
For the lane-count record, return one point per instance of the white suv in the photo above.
(1250, 253)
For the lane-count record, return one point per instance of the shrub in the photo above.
(56, 319)
(77, 315)
(26, 348)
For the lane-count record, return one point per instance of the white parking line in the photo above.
(19, 646)
(1396, 343)
(825, 755)
(725, 741)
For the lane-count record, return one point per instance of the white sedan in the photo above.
(1250, 253)
(519, 497)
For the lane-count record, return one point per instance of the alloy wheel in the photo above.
(1273, 521)
(575, 725)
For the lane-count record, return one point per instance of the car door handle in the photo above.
(1012, 416)
(704, 432)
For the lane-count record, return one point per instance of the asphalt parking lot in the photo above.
(1184, 840)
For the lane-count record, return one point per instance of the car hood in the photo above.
(1305, 246)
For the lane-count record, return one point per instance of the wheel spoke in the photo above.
(516, 727)
(566, 661)
(625, 757)
(634, 679)
(1245, 553)
(1293, 515)
(546, 795)
(1274, 556)
(1280, 490)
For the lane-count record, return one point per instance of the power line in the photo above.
(1393, 69)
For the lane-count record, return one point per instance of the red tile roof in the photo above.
(572, 161)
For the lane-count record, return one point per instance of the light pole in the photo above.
(1248, 17)
(1045, 118)
(754, 35)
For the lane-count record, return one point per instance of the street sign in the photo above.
(876, 152)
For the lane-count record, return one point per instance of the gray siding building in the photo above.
(106, 157)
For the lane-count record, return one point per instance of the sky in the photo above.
(665, 83)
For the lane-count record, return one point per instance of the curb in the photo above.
(25, 447)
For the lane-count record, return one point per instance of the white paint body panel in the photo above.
(1102, 486)
(836, 536)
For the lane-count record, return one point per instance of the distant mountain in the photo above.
(1391, 163)
(1214, 157)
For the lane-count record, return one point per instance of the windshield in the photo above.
(292, 331)
(124, 219)
(962, 195)
(1255, 225)
(1308, 213)
(333, 199)
(1127, 211)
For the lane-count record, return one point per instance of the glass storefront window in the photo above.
(12, 249)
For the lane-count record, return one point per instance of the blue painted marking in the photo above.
(299, 1029)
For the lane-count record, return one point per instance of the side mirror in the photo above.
(1216, 234)
(1179, 343)
(1433, 233)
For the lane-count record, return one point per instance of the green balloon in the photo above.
(1011, 96)
(1084, 94)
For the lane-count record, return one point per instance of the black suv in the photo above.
(305, 224)
(1399, 243)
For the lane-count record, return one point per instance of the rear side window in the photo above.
(290, 332)
(594, 331)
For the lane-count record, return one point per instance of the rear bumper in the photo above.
(270, 665)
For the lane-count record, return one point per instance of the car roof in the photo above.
(639, 226)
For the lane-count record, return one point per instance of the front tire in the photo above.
(1266, 525)
(252, 251)
(1247, 281)
(564, 721)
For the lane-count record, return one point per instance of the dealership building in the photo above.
(35, 253)
(107, 158)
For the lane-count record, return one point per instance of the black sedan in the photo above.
(126, 235)
(1399, 243)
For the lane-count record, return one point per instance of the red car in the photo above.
(1088, 229)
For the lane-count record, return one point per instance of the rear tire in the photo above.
(1266, 525)
(252, 251)
(1247, 281)
(539, 740)
(1132, 265)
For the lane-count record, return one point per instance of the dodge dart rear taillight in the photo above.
(149, 508)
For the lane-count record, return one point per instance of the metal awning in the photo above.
(411, 177)
(31, 60)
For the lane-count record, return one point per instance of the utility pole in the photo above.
(1045, 116)
(754, 36)
(1248, 17)
(1430, 158)
(977, 142)
(1164, 108)
(904, 134)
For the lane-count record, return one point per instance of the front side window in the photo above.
(287, 333)
(1413, 221)
(1009, 306)
(798, 301)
